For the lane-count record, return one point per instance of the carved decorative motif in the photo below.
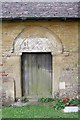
(37, 45)
(36, 39)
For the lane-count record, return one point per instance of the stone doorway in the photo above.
(36, 74)
(35, 39)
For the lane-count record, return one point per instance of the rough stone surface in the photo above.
(8, 92)
(37, 45)
(65, 65)
(39, 9)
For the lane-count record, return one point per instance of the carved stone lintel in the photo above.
(37, 45)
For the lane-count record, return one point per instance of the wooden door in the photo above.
(36, 74)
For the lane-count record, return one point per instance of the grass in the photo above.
(0, 113)
(35, 111)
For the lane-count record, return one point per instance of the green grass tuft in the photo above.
(35, 111)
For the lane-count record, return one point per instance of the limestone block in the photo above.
(8, 94)
(62, 85)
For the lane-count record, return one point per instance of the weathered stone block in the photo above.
(8, 94)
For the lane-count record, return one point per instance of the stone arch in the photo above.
(37, 39)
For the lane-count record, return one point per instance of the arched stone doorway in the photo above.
(35, 39)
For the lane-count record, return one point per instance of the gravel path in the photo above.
(32, 103)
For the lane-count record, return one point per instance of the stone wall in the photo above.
(65, 65)
(8, 92)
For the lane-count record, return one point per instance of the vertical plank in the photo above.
(22, 74)
(25, 73)
(48, 73)
(47, 79)
(26, 69)
(30, 75)
(43, 77)
(39, 74)
(34, 74)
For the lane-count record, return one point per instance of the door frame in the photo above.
(52, 75)
(36, 39)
